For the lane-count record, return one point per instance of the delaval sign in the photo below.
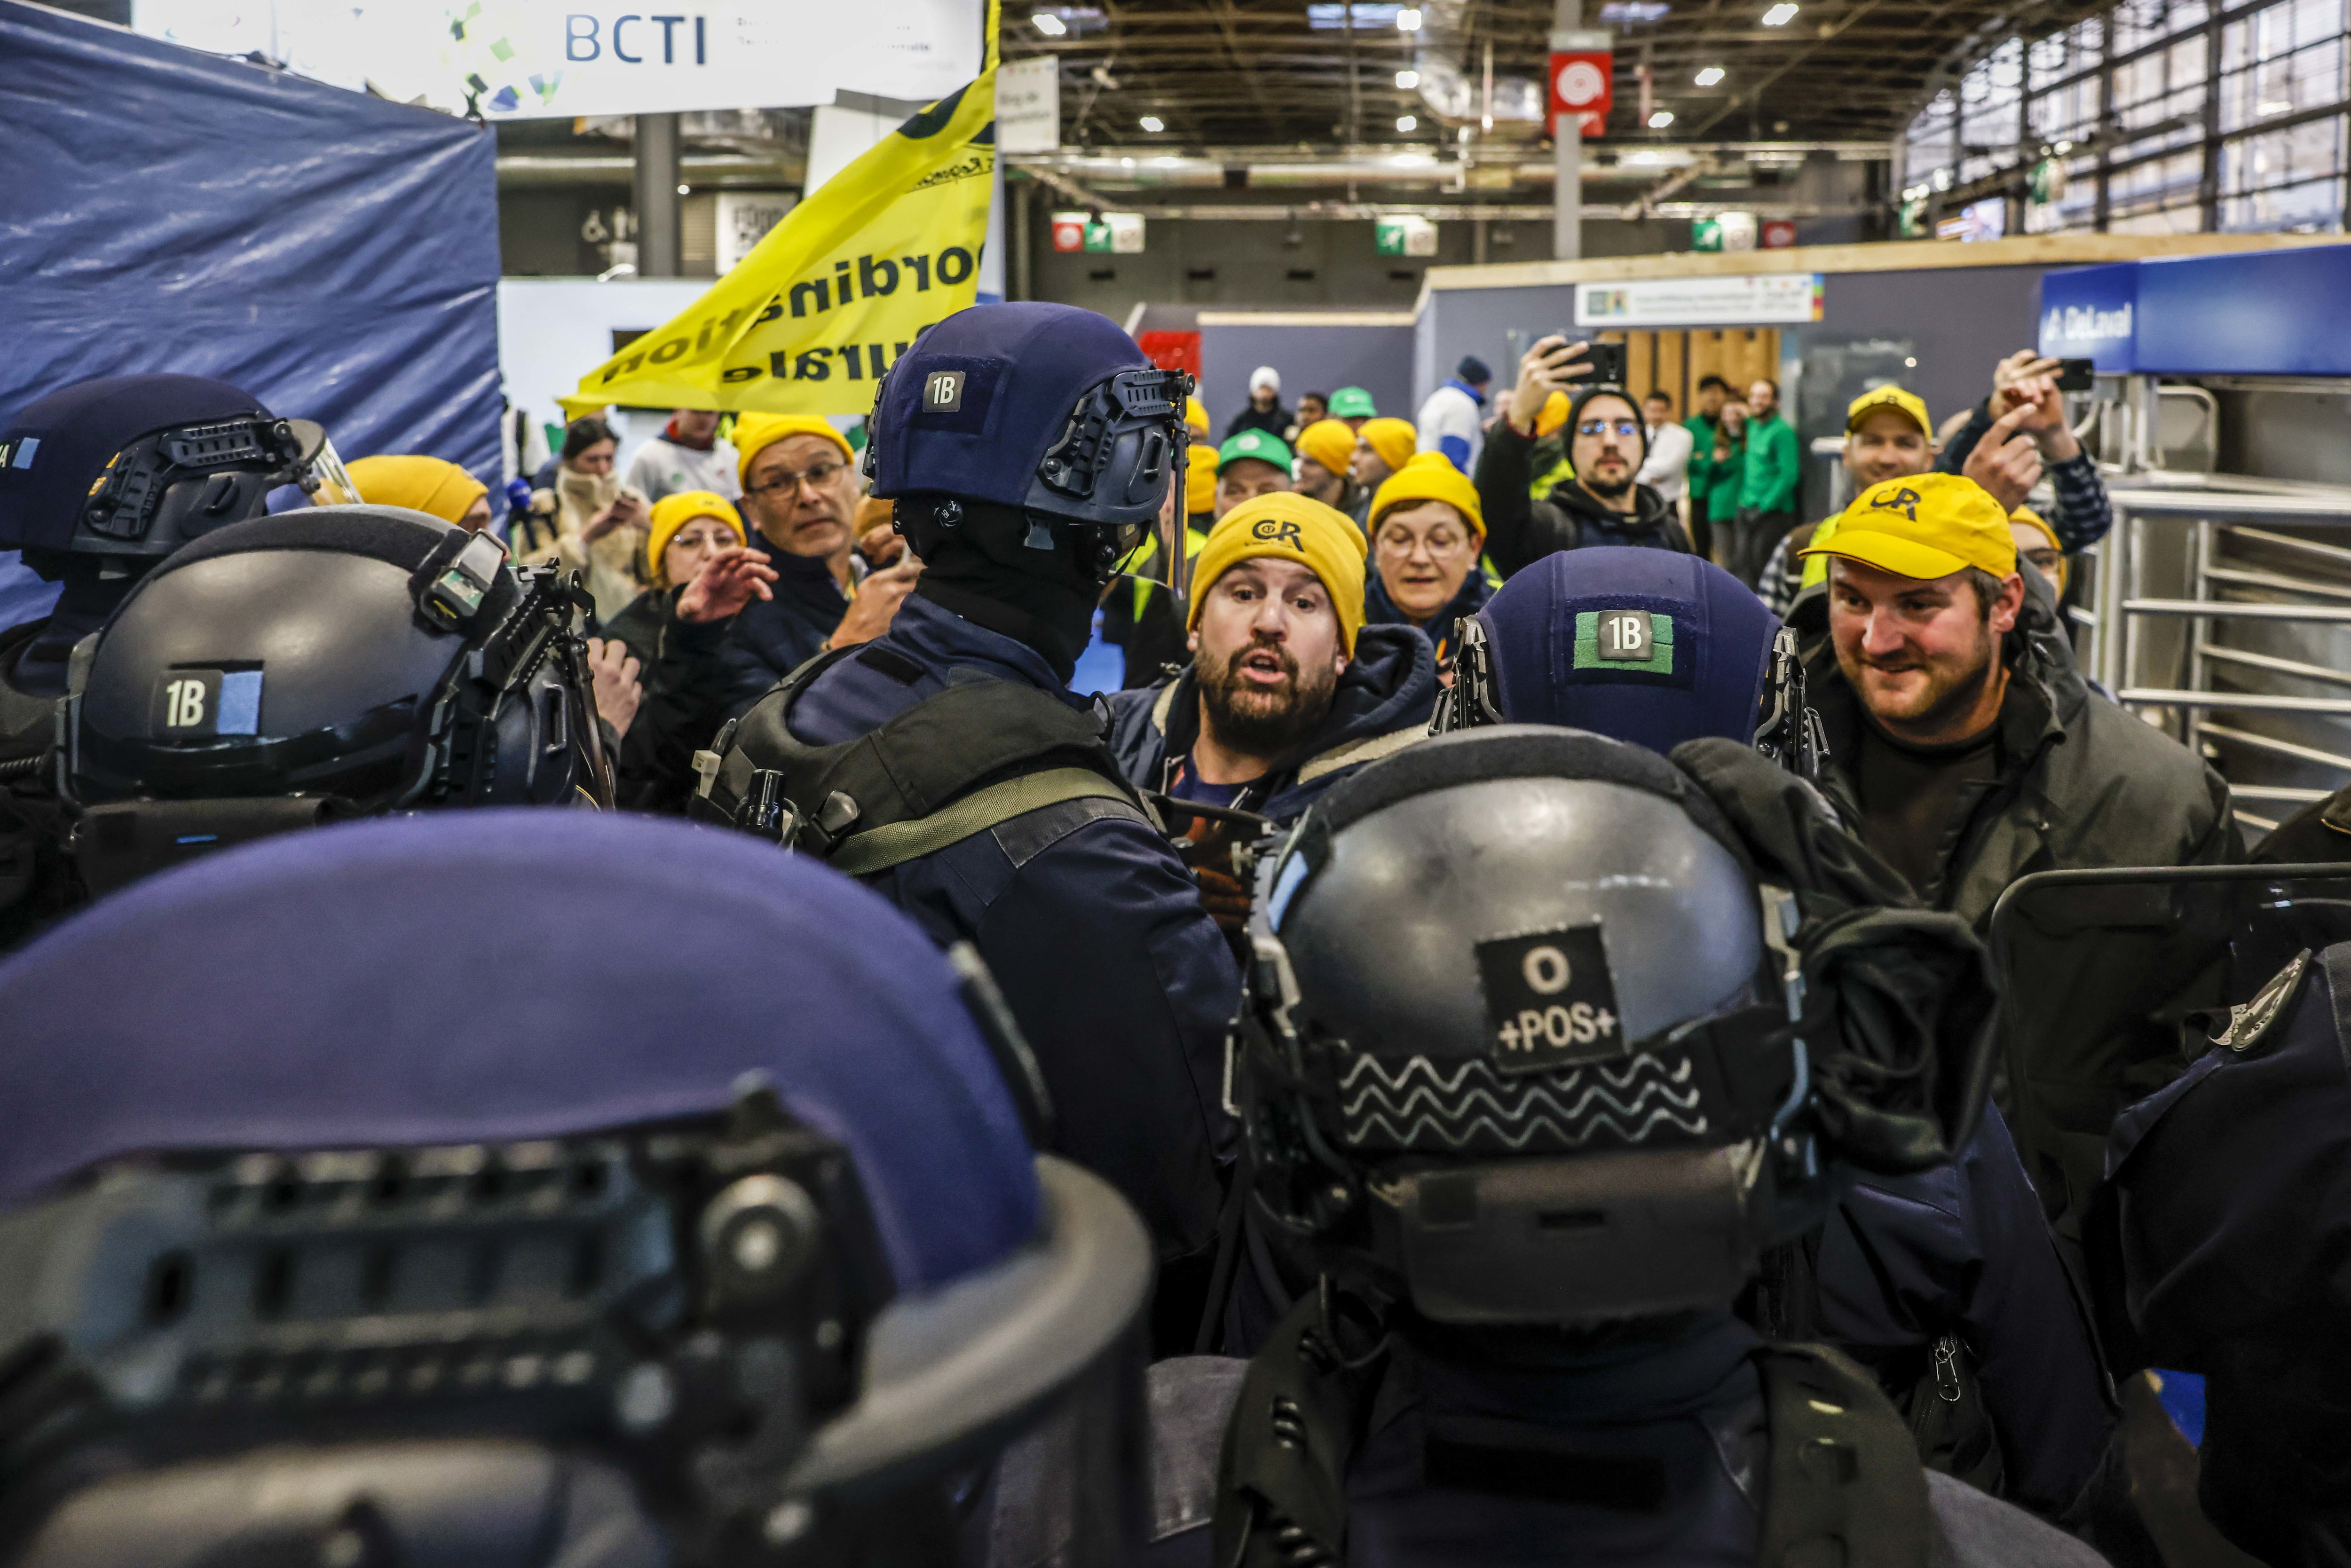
(2090, 313)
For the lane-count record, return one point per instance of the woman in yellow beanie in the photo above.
(1427, 532)
(1381, 446)
(688, 528)
(427, 485)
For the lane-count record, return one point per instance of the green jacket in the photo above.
(1702, 462)
(1774, 467)
(1716, 484)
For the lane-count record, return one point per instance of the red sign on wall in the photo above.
(1779, 234)
(1069, 233)
(1583, 83)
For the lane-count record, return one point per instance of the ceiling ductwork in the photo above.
(1454, 87)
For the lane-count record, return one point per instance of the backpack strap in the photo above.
(1845, 1486)
(879, 849)
(1282, 1475)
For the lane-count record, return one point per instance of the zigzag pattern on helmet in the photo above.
(1420, 1106)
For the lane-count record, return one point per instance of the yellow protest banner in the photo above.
(820, 307)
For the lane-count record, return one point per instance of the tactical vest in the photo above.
(1843, 1483)
(953, 766)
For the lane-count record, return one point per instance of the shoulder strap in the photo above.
(1845, 1483)
(879, 849)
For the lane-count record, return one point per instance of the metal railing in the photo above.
(2194, 569)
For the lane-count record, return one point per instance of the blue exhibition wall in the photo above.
(2282, 312)
(335, 254)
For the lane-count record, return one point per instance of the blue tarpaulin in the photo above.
(335, 254)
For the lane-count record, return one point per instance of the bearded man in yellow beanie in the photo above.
(1428, 533)
(799, 496)
(1288, 690)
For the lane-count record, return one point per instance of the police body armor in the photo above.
(951, 766)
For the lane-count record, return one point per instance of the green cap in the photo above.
(1353, 403)
(1257, 444)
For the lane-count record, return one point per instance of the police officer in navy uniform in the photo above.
(1945, 1282)
(1024, 446)
(1536, 1112)
(99, 481)
(391, 1216)
(2219, 1241)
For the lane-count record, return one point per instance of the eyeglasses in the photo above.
(1625, 427)
(1399, 545)
(816, 478)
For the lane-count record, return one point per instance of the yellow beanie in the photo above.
(1200, 480)
(1195, 415)
(1329, 442)
(426, 485)
(1291, 526)
(1429, 476)
(755, 433)
(1552, 414)
(1394, 439)
(672, 513)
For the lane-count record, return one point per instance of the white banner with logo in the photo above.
(1766, 299)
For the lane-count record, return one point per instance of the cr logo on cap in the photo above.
(1905, 500)
(1276, 530)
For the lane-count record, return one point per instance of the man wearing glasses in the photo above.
(799, 496)
(1602, 503)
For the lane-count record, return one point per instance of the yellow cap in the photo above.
(755, 433)
(436, 487)
(1291, 526)
(1429, 476)
(2040, 524)
(1925, 527)
(1329, 442)
(1892, 397)
(1394, 440)
(1195, 415)
(1200, 479)
(672, 513)
(1552, 414)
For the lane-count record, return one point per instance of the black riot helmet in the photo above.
(1522, 1038)
(126, 469)
(327, 663)
(395, 1243)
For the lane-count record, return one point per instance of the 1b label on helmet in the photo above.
(943, 393)
(192, 705)
(1549, 1000)
(1623, 637)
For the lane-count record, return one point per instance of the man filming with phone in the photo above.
(1603, 503)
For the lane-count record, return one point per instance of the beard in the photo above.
(1266, 721)
(1952, 687)
(1607, 491)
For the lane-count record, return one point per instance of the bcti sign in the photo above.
(1583, 83)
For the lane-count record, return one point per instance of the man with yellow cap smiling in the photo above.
(1969, 749)
(1288, 690)
(1887, 435)
(799, 496)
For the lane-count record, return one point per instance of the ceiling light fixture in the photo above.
(1154, 124)
(1407, 80)
(1407, 122)
(1709, 77)
(1045, 22)
(1779, 16)
(1660, 119)
(1408, 19)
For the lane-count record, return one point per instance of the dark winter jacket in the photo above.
(1519, 528)
(773, 637)
(2081, 783)
(1476, 588)
(1382, 705)
(684, 704)
(1090, 924)
(639, 627)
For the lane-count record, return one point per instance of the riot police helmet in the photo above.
(126, 469)
(1045, 411)
(327, 663)
(418, 1213)
(1650, 646)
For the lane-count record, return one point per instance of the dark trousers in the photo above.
(1752, 537)
(1701, 531)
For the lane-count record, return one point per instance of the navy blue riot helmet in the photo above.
(1045, 411)
(410, 1223)
(1649, 646)
(132, 467)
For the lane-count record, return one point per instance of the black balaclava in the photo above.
(983, 570)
